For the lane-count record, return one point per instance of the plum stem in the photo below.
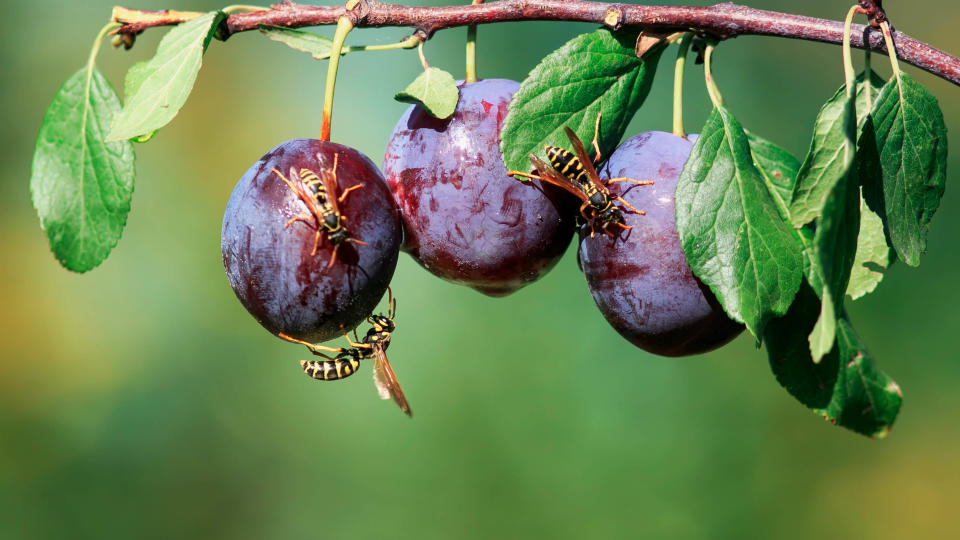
(471, 66)
(848, 74)
(712, 89)
(678, 85)
(344, 26)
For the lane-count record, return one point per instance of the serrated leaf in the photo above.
(911, 140)
(80, 185)
(828, 160)
(835, 240)
(167, 79)
(778, 166)
(873, 255)
(435, 90)
(316, 45)
(592, 73)
(731, 229)
(846, 387)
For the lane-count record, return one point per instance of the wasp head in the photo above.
(382, 321)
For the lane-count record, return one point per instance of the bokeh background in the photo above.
(142, 401)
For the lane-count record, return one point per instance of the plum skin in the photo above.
(270, 267)
(464, 219)
(641, 281)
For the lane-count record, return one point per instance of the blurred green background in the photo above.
(141, 400)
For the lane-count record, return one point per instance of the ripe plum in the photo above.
(641, 281)
(464, 219)
(273, 269)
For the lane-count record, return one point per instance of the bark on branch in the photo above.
(722, 20)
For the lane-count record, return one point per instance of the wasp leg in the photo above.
(355, 344)
(343, 196)
(316, 243)
(596, 135)
(583, 208)
(314, 348)
(355, 241)
(630, 206)
(525, 175)
(333, 258)
(637, 182)
(302, 217)
(284, 178)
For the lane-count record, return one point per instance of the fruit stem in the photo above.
(678, 85)
(471, 76)
(344, 26)
(407, 43)
(712, 89)
(891, 49)
(423, 59)
(848, 73)
(241, 7)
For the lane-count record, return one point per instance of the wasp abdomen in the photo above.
(340, 367)
(567, 164)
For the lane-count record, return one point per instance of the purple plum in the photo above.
(641, 280)
(272, 266)
(464, 219)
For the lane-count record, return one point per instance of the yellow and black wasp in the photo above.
(320, 195)
(373, 345)
(575, 173)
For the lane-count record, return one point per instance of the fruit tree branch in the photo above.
(725, 21)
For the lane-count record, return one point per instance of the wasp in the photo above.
(319, 194)
(575, 173)
(373, 345)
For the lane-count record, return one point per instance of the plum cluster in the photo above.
(313, 230)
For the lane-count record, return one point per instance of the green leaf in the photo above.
(592, 73)
(835, 240)
(316, 45)
(134, 79)
(162, 86)
(846, 387)
(733, 234)
(828, 160)
(778, 166)
(434, 90)
(869, 85)
(80, 185)
(873, 255)
(911, 140)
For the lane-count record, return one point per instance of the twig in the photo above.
(723, 21)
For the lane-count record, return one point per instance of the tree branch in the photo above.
(725, 21)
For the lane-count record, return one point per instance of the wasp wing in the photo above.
(298, 189)
(329, 178)
(386, 380)
(584, 159)
(550, 175)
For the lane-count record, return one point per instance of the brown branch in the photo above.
(726, 20)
